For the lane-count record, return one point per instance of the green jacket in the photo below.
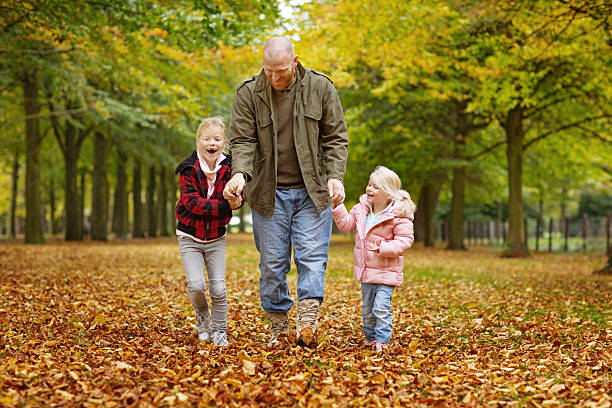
(319, 132)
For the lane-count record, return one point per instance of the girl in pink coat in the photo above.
(384, 231)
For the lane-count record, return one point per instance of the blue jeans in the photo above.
(295, 223)
(376, 300)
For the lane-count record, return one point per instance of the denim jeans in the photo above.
(376, 301)
(296, 224)
(194, 254)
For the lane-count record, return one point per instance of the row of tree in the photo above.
(134, 77)
(470, 101)
(467, 93)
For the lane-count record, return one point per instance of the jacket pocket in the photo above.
(264, 116)
(391, 263)
(313, 111)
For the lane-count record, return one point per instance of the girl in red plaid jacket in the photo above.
(203, 214)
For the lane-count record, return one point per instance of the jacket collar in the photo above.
(192, 161)
(393, 210)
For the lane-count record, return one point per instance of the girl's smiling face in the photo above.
(211, 144)
(376, 197)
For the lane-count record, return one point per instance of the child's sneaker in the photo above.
(369, 343)
(379, 347)
(219, 338)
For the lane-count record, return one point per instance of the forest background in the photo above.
(487, 110)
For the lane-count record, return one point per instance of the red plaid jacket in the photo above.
(200, 216)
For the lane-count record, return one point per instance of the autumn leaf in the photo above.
(137, 343)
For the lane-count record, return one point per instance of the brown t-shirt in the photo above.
(288, 172)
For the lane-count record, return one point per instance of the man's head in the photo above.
(279, 62)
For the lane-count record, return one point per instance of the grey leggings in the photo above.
(194, 255)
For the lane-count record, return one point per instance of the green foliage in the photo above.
(595, 204)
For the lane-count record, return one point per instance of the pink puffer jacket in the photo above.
(394, 234)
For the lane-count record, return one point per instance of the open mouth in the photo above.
(212, 150)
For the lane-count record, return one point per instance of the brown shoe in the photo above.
(279, 325)
(308, 313)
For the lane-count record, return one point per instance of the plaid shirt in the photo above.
(200, 216)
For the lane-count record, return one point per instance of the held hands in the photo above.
(233, 188)
(235, 202)
(336, 191)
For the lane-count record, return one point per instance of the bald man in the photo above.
(289, 147)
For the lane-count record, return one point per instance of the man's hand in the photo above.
(336, 191)
(234, 187)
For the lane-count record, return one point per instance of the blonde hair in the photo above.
(389, 182)
(206, 125)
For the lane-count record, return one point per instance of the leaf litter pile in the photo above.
(111, 325)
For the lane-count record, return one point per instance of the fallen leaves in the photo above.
(111, 325)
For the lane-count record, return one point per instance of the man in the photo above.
(289, 142)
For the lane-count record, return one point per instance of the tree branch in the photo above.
(594, 134)
(487, 150)
(564, 127)
(83, 134)
(55, 124)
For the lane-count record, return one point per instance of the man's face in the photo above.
(280, 69)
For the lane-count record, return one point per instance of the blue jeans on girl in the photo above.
(376, 301)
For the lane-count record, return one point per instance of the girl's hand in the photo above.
(235, 202)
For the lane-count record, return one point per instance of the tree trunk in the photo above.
(171, 201)
(499, 223)
(455, 239)
(85, 228)
(151, 208)
(52, 206)
(120, 203)
(419, 217)
(607, 269)
(162, 203)
(137, 226)
(514, 154)
(428, 199)
(99, 193)
(73, 218)
(13, 205)
(242, 214)
(33, 142)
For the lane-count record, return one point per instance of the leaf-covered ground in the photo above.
(111, 325)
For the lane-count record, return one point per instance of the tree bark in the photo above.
(241, 215)
(457, 215)
(82, 205)
(428, 199)
(162, 203)
(99, 193)
(13, 205)
(151, 207)
(120, 202)
(137, 226)
(172, 187)
(33, 142)
(52, 206)
(72, 203)
(514, 154)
